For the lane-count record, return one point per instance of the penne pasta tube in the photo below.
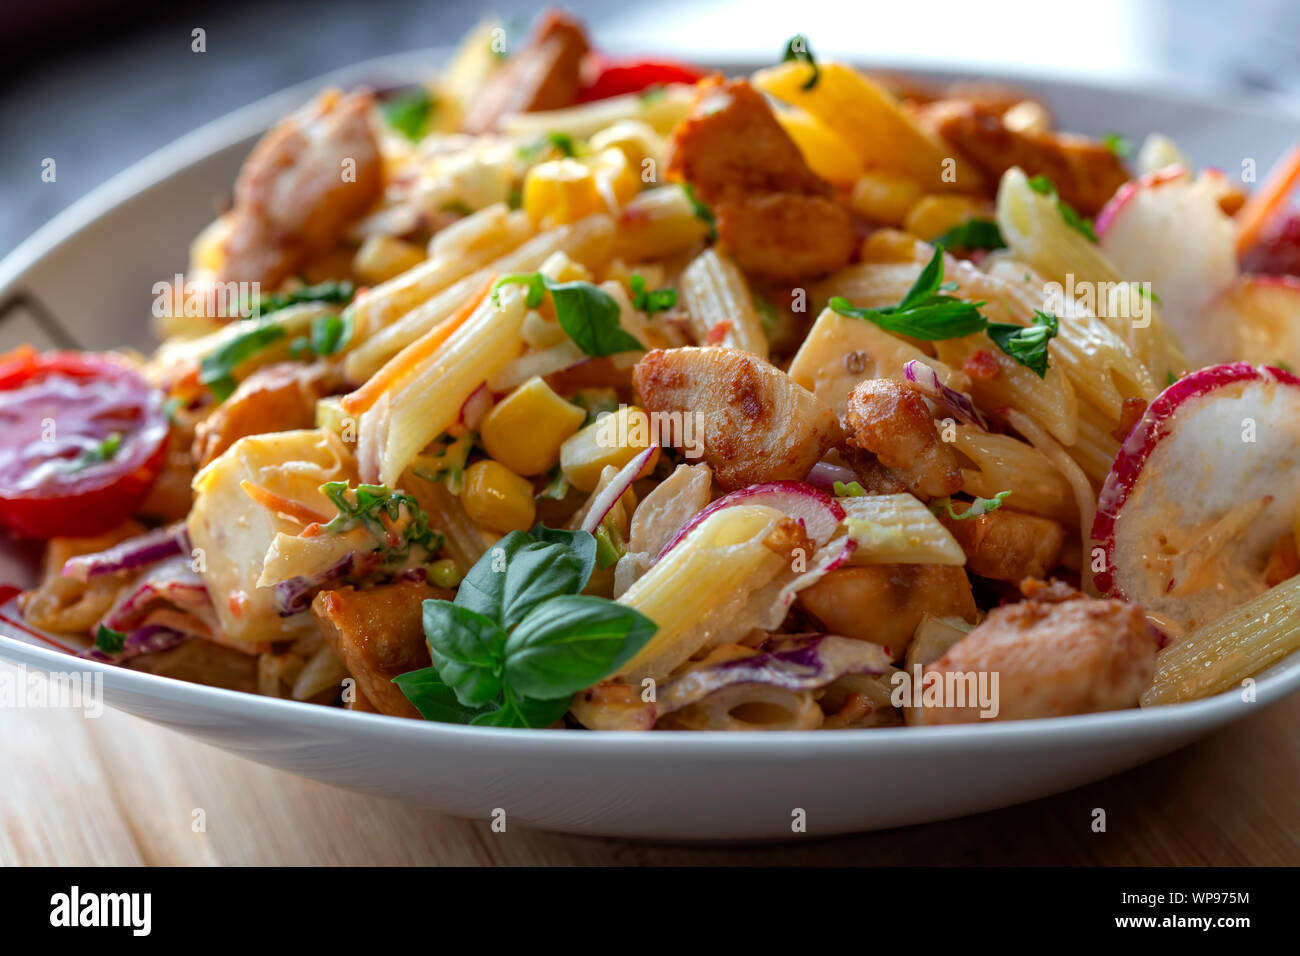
(657, 223)
(693, 592)
(586, 241)
(661, 112)
(717, 296)
(1003, 462)
(429, 402)
(1220, 655)
(898, 529)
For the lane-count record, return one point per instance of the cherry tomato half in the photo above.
(82, 440)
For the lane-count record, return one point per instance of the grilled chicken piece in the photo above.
(277, 398)
(1005, 545)
(782, 236)
(545, 75)
(775, 216)
(377, 634)
(758, 425)
(296, 193)
(891, 420)
(884, 603)
(1054, 655)
(1084, 172)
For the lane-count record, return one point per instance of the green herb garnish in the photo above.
(407, 526)
(520, 640)
(848, 490)
(925, 312)
(108, 640)
(701, 210)
(1027, 344)
(327, 293)
(217, 370)
(97, 453)
(1043, 186)
(650, 301)
(980, 506)
(973, 234)
(1118, 144)
(562, 142)
(797, 49)
(410, 114)
(588, 314)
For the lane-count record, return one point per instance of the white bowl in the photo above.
(86, 279)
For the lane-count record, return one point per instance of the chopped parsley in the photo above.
(701, 210)
(979, 507)
(798, 50)
(1118, 144)
(108, 640)
(1027, 344)
(561, 142)
(588, 314)
(395, 519)
(1080, 224)
(410, 114)
(650, 301)
(973, 234)
(925, 312)
(217, 370)
(848, 490)
(325, 293)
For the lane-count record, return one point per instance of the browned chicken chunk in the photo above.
(303, 184)
(277, 398)
(758, 425)
(1084, 172)
(891, 420)
(544, 75)
(775, 216)
(884, 603)
(1053, 658)
(1006, 545)
(377, 634)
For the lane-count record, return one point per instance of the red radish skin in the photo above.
(1158, 423)
(1132, 188)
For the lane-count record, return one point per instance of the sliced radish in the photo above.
(1168, 229)
(618, 486)
(1200, 493)
(818, 512)
(1265, 312)
(958, 404)
(476, 407)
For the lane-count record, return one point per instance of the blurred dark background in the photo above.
(98, 84)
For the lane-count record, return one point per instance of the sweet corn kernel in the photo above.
(934, 215)
(497, 498)
(884, 198)
(824, 150)
(382, 257)
(615, 176)
(890, 245)
(524, 431)
(561, 191)
(613, 439)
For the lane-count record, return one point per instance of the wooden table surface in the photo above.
(119, 790)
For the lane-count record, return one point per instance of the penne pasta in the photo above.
(898, 529)
(1003, 462)
(717, 297)
(1222, 654)
(660, 112)
(657, 223)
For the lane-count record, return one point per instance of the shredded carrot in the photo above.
(1267, 200)
(403, 363)
(282, 505)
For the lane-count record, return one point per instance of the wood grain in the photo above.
(119, 790)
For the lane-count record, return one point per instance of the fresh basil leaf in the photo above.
(330, 292)
(217, 369)
(590, 317)
(581, 543)
(410, 114)
(524, 713)
(522, 570)
(924, 313)
(973, 234)
(467, 650)
(329, 333)
(434, 699)
(571, 642)
(1027, 344)
(797, 48)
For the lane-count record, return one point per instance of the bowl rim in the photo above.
(173, 159)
